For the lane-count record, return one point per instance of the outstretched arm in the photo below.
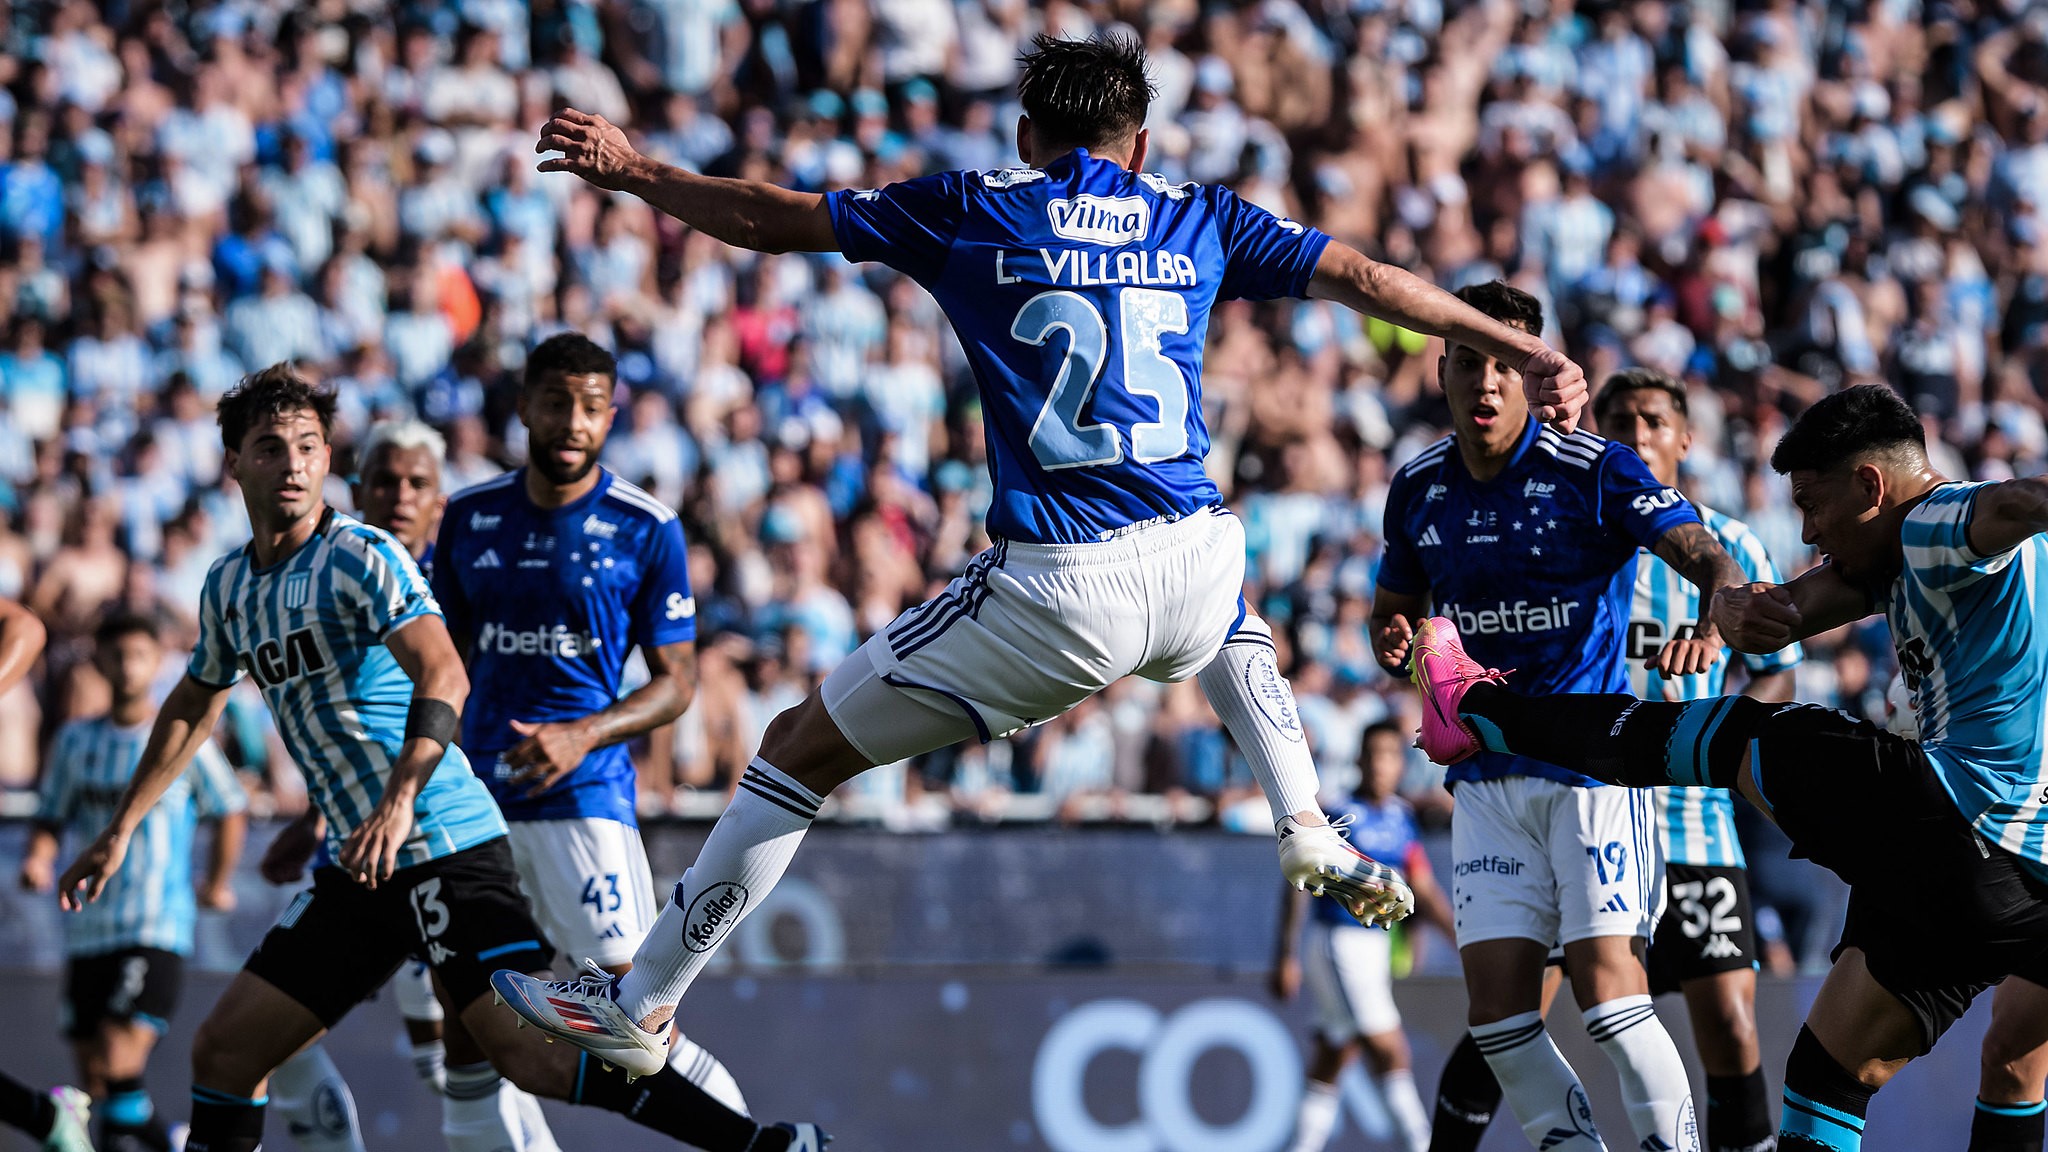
(744, 213)
(1556, 387)
(2007, 513)
(1698, 556)
(1767, 617)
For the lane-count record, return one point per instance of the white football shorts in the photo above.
(1538, 860)
(1349, 971)
(589, 885)
(1030, 630)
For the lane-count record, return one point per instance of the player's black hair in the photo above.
(1853, 424)
(1639, 380)
(1505, 303)
(125, 623)
(272, 392)
(570, 354)
(1085, 93)
(1376, 728)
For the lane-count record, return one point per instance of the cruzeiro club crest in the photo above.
(1274, 698)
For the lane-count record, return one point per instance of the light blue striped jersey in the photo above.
(1972, 637)
(311, 630)
(149, 902)
(1699, 822)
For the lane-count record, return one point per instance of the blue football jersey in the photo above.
(1972, 637)
(1536, 566)
(1699, 823)
(310, 629)
(551, 601)
(1384, 830)
(1082, 293)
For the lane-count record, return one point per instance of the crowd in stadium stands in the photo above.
(1766, 198)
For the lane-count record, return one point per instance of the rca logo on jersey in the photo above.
(478, 522)
(274, 662)
(712, 914)
(1504, 618)
(551, 641)
(1436, 492)
(1650, 503)
(680, 605)
(1532, 491)
(602, 529)
(1111, 220)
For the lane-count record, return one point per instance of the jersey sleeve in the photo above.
(664, 610)
(908, 225)
(53, 793)
(1265, 257)
(215, 791)
(1749, 555)
(390, 587)
(446, 583)
(213, 657)
(1936, 535)
(1400, 566)
(1634, 503)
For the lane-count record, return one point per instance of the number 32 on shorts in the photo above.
(1058, 437)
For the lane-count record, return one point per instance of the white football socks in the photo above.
(1653, 1080)
(1318, 1116)
(696, 1064)
(1256, 705)
(1404, 1103)
(747, 852)
(1544, 1092)
(318, 1109)
(482, 1112)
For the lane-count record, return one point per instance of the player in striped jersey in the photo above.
(335, 622)
(1944, 842)
(126, 953)
(397, 488)
(58, 1119)
(1705, 945)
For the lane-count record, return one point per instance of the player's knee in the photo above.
(2011, 1066)
(218, 1062)
(806, 743)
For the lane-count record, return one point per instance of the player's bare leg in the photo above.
(1321, 1101)
(1504, 986)
(111, 1063)
(1856, 1038)
(1256, 705)
(1723, 1012)
(2015, 1064)
(253, 1028)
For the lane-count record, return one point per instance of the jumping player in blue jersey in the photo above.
(1528, 539)
(1349, 968)
(336, 624)
(551, 576)
(1944, 842)
(127, 952)
(1081, 287)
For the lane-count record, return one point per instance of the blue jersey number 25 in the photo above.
(1058, 438)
